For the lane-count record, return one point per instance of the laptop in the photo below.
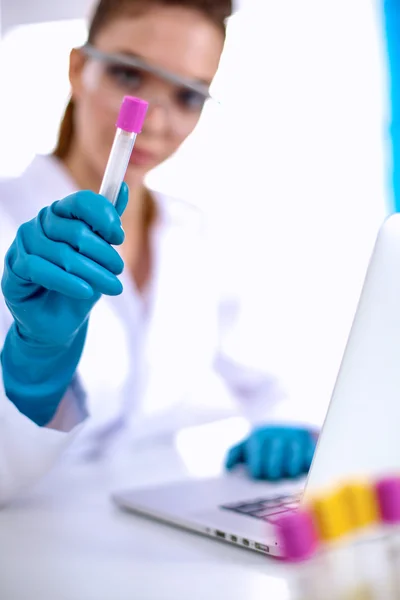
(360, 436)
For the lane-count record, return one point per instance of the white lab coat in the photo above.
(151, 363)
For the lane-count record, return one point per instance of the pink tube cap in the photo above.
(297, 535)
(388, 494)
(132, 114)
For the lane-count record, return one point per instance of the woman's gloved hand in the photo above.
(55, 271)
(274, 452)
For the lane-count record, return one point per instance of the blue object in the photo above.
(55, 271)
(391, 14)
(274, 452)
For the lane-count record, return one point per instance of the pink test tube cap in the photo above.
(132, 114)
(388, 494)
(297, 535)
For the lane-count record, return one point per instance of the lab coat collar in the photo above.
(57, 176)
(43, 181)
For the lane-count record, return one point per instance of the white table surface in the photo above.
(65, 540)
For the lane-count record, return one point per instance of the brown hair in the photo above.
(215, 10)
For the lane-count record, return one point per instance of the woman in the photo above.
(153, 358)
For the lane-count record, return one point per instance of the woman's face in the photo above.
(176, 39)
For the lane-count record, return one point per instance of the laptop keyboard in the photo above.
(267, 509)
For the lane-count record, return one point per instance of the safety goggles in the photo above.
(114, 76)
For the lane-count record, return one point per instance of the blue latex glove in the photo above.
(274, 452)
(55, 271)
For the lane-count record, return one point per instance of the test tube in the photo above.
(361, 504)
(299, 542)
(129, 125)
(335, 530)
(388, 494)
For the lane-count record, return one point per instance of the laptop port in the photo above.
(220, 534)
(245, 542)
(234, 539)
(262, 547)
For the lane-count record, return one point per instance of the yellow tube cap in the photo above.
(331, 517)
(361, 504)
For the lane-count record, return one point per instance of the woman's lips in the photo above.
(142, 158)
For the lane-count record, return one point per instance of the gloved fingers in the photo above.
(235, 456)
(96, 211)
(81, 238)
(63, 256)
(255, 454)
(293, 465)
(122, 199)
(309, 450)
(273, 458)
(52, 277)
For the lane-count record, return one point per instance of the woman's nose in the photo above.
(157, 118)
